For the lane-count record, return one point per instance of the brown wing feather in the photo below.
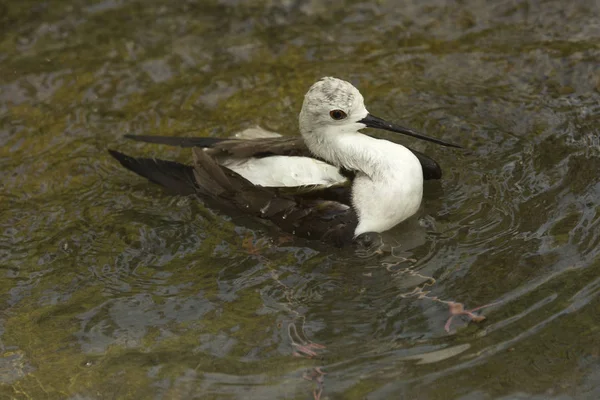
(239, 148)
(244, 148)
(310, 218)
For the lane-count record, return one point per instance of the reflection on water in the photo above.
(112, 288)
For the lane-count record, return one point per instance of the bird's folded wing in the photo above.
(309, 217)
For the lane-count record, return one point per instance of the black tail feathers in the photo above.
(174, 176)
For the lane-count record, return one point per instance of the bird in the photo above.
(333, 183)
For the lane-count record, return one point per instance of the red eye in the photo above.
(337, 114)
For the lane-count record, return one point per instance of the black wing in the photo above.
(304, 216)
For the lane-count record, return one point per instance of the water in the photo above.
(113, 289)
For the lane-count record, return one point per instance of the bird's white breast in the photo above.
(392, 193)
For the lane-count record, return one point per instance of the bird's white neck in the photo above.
(350, 150)
(388, 187)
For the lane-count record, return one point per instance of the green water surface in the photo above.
(112, 289)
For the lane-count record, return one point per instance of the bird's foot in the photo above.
(368, 244)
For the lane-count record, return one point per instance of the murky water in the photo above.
(113, 289)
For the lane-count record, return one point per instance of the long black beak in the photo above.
(375, 122)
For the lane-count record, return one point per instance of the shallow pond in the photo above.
(111, 288)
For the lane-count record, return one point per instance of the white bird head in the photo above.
(332, 103)
(333, 106)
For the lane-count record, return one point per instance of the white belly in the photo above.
(285, 171)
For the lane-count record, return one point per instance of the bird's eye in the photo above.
(337, 114)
